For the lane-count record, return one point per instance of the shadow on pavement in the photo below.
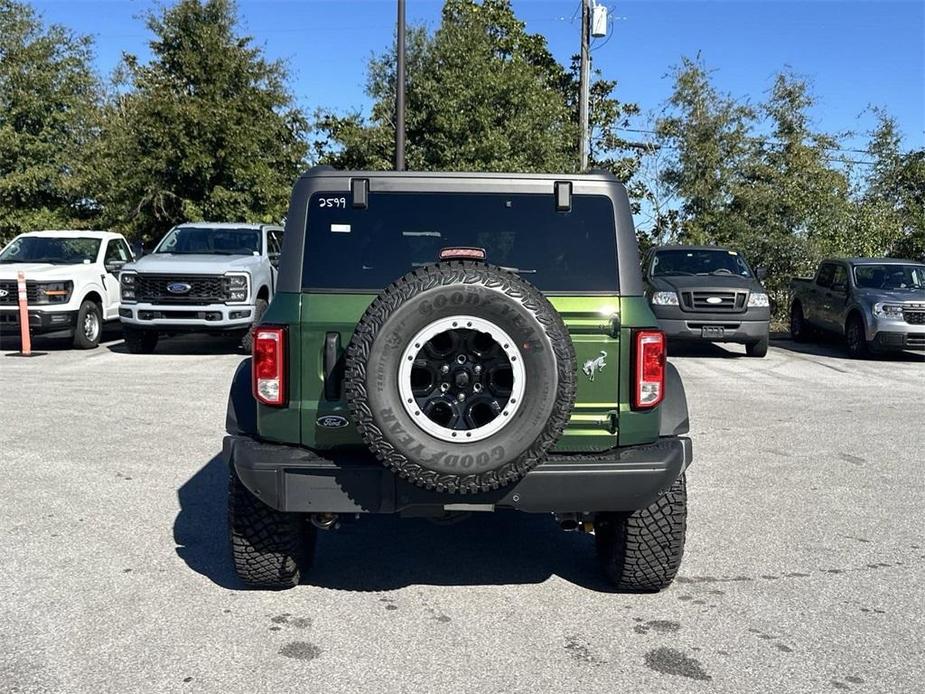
(703, 349)
(194, 344)
(833, 347)
(9, 340)
(384, 552)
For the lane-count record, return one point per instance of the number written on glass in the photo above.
(332, 202)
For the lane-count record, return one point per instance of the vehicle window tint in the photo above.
(826, 272)
(699, 261)
(116, 252)
(273, 244)
(367, 249)
(892, 276)
(840, 278)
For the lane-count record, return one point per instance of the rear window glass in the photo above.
(367, 249)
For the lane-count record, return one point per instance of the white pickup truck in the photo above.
(72, 283)
(204, 277)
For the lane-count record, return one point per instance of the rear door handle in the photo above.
(332, 372)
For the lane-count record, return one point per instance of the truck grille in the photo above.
(729, 302)
(916, 317)
(204, 289)
(12, 293)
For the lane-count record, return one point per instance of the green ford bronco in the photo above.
(444, 343)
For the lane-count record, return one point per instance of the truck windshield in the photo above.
(210, 241)
(699, 262)
(352, 249)
(890, 276)
(53, 250)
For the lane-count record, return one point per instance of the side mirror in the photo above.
(761, 273)
(114, 266)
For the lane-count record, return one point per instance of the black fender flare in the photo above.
(241, 416)
(675, 418)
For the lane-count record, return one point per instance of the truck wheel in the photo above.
(269, 548)
(89, 326)
(856, 338)
(757, 349)
(247, 342)
(140, 341)
(460, 377)
(799, 330)
(641, 551)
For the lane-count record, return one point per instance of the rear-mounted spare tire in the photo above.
(460, 377)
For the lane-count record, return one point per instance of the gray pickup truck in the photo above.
(877, 304)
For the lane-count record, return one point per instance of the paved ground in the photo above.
(803, 572)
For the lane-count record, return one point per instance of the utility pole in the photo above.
(584, 84)
(400, 92)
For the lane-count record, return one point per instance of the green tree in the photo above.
(482, 95)
(48, 108)
(206, 130)
(706, 134)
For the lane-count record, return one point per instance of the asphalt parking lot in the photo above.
(803, 571)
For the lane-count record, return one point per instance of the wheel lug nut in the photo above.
(477, 369)
(477, 387)
(444, 387)
(445, 368)
(461, 397)
(461, 359)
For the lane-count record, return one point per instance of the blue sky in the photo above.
(856, 53)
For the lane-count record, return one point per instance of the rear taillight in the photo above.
(649, 356)
(269, 366)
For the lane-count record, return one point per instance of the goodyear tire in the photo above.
(270, 549)
(641, 551)
(460, 377)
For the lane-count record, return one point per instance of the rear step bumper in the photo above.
(290, 478)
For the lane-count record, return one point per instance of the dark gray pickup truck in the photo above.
(877, 304)
(707, 293)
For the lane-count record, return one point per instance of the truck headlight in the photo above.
(664, 299)
(758, 300)
(53, 292)
(127, 285)
(236, 286)
(888, 311)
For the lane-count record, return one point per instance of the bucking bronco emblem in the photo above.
(592, 366)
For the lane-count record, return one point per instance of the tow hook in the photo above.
(325, 521)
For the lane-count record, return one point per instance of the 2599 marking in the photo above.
(332, 202)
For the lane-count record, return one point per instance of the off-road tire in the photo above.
(856, 338)
(81, 341)
(445, 290)
(641, 551)
(757, 349)
(799, 330)
(247, 342)
(139, 340)
(270, 549)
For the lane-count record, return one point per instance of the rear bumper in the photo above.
(41, 322)
(291, 478)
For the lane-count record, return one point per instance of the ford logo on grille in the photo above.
(179, 288)
(3, 293)
(714, 300)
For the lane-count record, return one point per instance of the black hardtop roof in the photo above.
(331, 172)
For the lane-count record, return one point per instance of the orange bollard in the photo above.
(25, 338)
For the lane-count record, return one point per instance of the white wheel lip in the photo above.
(465, 322)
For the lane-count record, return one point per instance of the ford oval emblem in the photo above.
(3, 293)
(332, 421)
(714, 300)
(179, 288)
